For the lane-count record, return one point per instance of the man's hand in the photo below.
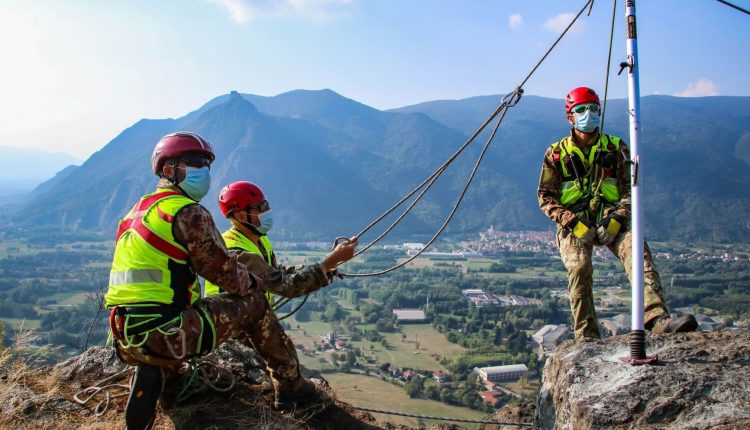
(582, 231)
(608, 229)
(343, 252)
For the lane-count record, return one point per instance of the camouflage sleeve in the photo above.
(195, 229)
(548, 192)
(287, 282)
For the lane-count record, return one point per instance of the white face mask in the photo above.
(266, 222)
(587, 121)
(197, 182)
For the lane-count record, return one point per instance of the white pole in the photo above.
(636, 171)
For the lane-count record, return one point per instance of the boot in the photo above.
(145, 389)
(299, 394)
(667, 324)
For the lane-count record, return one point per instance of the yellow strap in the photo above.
(614, 226)
(580, 229)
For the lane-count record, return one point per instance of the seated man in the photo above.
(156, 315)
(245, 206)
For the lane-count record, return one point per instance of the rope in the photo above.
(205, 374)
(509, 100)
(609, 63)
(450, 215)
(430, 417)
(295, 309)
(91, 391)
(734, 6)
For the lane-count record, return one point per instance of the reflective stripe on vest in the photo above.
(574, 188)
(135, 277)
(149, 265)
(233, 238)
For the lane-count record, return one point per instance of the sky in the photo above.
(75, 73)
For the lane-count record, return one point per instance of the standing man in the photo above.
(156, 315)
(585, 188)
(245, 205)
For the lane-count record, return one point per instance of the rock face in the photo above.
(33, 397)
(702, 381)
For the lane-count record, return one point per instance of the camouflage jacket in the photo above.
(194, 228)
(287, 282)
(550, 179)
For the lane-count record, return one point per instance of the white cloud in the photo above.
(559, 22)
(243, 11)
(700, 88)
(515, 21)
(239, 10)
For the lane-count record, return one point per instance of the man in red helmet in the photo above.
(156, 315)
(584, 187)
(245, 205)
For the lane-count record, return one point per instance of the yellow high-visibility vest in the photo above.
(233, 238)
(149, 265)
(577, 186)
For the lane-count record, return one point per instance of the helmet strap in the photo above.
(249, 225)
(173, 179)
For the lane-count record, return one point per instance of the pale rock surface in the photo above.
(702, 381)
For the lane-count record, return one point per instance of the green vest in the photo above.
(234, 239)
(149, 265)
(586, 178)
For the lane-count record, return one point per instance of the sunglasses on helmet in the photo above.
(196, 161)
(262, 206)
(594, 108)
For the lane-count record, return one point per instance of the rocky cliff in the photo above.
(701, 381)
(33, 397)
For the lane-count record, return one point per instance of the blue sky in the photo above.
(76, 73)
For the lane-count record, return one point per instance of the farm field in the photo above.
(370, 392)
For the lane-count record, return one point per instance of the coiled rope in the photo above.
(105, 388)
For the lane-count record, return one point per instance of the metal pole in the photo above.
(637, 339)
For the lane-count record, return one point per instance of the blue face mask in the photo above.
(587, 121)
(266, 222)
(197, 182)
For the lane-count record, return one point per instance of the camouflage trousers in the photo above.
(577, 259)
(232, 317)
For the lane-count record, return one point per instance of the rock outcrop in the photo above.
(702, 381)
(34, 397)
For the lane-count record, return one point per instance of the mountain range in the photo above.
(329, 164)
(25, 168)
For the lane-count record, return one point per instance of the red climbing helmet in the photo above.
(240, 195)
(579, 96)
(175, 145)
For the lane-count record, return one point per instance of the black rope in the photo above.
(509, 100)
(544, 57)
(734, 6)
(431, 417)
(609, 63)
(295, 309)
